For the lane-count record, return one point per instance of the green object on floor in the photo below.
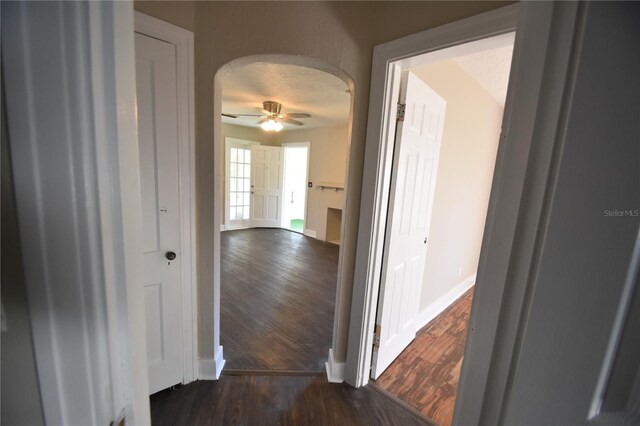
(297, 225)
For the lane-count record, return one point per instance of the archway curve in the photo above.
(341, 315)
(281, 59)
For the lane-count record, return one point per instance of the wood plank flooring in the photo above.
(276, 400)
(426, 374)
(277, 300)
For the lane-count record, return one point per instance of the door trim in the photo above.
(548, 37)
(183, 41)
(228, 141)
(93, 371)
(284, 168)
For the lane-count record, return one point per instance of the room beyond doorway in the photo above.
(296, 177)
(286, 137)
(436, 217)
(427, 373)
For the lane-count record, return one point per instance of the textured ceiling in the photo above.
(490, 69)
(298, 89)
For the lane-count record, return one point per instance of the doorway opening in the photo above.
(446, 141)
(296, 174)
(286, 133)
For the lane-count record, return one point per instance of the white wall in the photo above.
(467, 158)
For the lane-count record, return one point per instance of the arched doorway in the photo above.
(276, 291)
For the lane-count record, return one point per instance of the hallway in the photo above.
(278, 400)
(277, 304)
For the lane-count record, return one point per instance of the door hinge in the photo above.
(400, 112)
(376, 337)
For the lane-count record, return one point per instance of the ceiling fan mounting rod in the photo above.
(273, 107)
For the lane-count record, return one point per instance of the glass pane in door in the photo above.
(239, 183)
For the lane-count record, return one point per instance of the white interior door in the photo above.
(159, 180)
(415, 166)
(266, 186)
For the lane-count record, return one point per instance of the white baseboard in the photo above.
(223, 228)
(335, 370)
(309, 233)
(210, 369)
(444, 301)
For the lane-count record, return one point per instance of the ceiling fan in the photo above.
(273, 116)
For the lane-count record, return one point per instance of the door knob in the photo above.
(170, 255)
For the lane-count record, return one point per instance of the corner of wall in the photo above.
(211, 369)
(444, 301)
(335, 370)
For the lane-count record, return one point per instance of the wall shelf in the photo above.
(329, 185)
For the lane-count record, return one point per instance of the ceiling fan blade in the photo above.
(242, 115)
(297, 115)
(292, 121)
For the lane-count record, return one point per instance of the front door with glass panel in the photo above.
(238, 184)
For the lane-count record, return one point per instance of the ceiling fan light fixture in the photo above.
(271, 125)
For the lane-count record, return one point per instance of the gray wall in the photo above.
(585, 253)
(20, 393)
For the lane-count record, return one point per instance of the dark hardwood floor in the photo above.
(426, 374)
(277, 299)
(276, 400)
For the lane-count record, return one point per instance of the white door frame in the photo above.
(385, 89)
(542, 55)
(284, 168)
(79, 100)
(228, 141)
(183, 41)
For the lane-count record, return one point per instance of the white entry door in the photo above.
(159, 180)
(415, 165)
(266, 186)
(238, 184)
